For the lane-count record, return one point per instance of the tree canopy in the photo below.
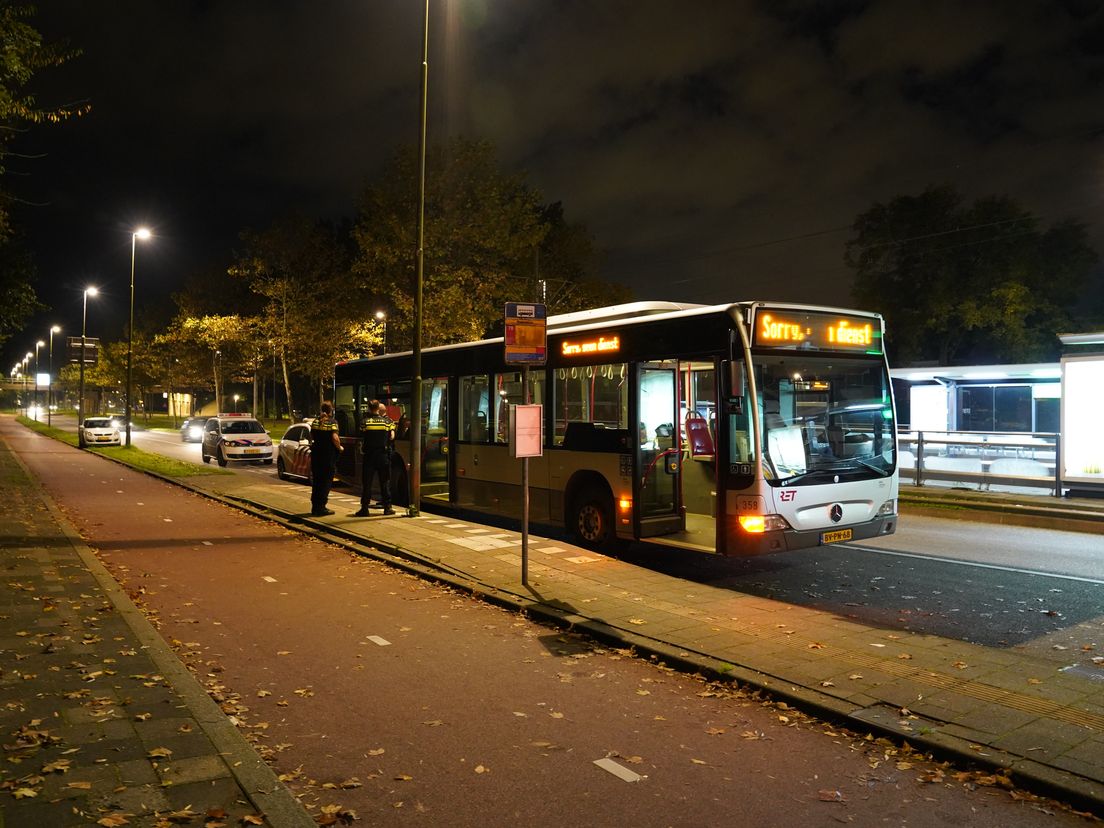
(23, 55)
(488, 240)
(961, 283)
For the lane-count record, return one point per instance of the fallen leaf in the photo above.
(114, 820)
(24, 793)
(159, 753)
(831, 796)
(480, 769)
(83, 786)
(375, 752)
(960, 665)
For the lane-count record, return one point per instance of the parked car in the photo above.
(191, 430)
(237, 437)
(98, 431)
(293, 455)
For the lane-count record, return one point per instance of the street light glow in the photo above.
(143, 233)
(90, 291)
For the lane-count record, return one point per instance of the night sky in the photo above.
(717, 150)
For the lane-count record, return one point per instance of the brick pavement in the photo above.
(98, 718)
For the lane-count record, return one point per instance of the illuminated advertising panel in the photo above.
(816, 330)
(1082, 400)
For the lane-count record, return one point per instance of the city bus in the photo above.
(744, 428)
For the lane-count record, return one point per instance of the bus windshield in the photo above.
(824, 418)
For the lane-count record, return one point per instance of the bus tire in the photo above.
(591, 522)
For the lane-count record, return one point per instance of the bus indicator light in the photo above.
(753, 524)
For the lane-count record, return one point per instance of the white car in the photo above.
(235, 437)
(98, 431)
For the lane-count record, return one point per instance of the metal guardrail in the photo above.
(982, 458)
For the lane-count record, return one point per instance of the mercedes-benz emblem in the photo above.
(836, 513)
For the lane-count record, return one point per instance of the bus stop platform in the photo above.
(1025, 718)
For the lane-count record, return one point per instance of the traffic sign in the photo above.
(526, 337)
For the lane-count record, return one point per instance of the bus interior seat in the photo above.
(595, 437)
(698, 437)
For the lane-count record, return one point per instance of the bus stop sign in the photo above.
(526, 334)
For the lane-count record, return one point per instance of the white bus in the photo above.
(742, 428)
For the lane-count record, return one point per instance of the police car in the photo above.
(235, 437)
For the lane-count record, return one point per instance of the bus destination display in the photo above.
(821, 331)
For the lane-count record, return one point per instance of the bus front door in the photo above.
(658, 450)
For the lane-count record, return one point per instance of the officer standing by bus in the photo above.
(377, 434)
(325, 446)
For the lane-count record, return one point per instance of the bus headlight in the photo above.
(757, 524)
(888, 509)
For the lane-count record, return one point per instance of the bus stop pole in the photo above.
(525, 493)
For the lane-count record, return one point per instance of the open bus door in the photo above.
(657, 492)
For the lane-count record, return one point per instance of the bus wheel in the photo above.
(592, 519)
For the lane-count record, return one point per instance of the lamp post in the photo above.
(50, 387)
(39, 344)
(381, 317)
(416, 391)
(26, 361)
(88, 291)
(140, 233)
(236, 398)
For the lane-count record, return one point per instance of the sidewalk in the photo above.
(100, 721)
(977, 705)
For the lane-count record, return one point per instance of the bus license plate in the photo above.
(836, 537)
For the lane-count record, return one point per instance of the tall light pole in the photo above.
(140, 233)
(416, 391)
(39, 344)
(381, 317)
(50, 387)
(26, 362)
(88, 291)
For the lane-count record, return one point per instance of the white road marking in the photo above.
(620, 771)
(956, 562)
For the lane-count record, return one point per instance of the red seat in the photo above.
(698, 438)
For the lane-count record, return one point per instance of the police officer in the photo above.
(377, 434)
(325, 446)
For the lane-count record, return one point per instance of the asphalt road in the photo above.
(407, 703)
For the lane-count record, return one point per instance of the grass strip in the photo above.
(131, 456)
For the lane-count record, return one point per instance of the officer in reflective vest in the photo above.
(377, 434)
(325, 446)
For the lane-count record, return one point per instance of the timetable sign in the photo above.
(526, 336)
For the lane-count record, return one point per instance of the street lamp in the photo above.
(39, 344)
(382, 318)
(88, 291)
(24, 362)
(141, 233)
(236, 398)
(50, 387)
(416, 346)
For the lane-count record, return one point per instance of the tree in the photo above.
(964, 283)
(24, 54)
(487, 241)
(313, 312)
